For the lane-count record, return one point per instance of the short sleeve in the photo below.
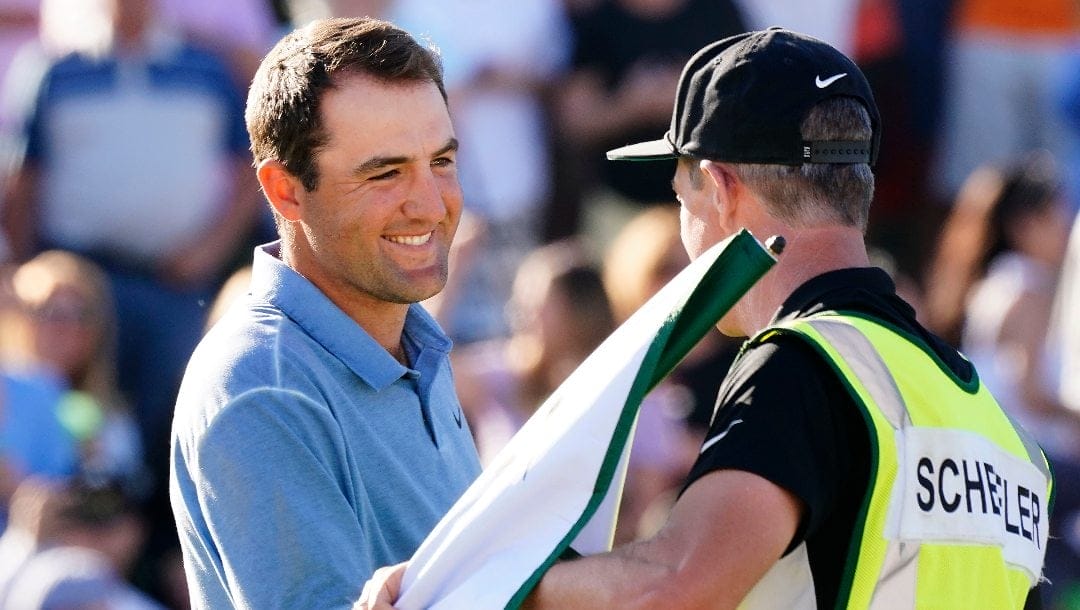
(783, 414)
(265, 492)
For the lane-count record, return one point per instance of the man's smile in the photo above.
(410, 240)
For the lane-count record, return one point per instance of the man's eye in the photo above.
(385, 175)
(442, 162)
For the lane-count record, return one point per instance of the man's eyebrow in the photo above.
(451, 145)
(377, 163)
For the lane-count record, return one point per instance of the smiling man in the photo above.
(317, 435)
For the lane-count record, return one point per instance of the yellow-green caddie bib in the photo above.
(957, 509)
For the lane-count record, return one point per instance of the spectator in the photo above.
(71, 331)
(18, 27)
(1008, 308)
(643, 257)
(33, 442)
(993, 281)
(627, 58)
(957, 261)
(1003, 62)
(833, 21)
(138, 160)
(558, 314)
(645, 254)
(239, 31)
(83, 539)
(1006, 238)
(33, 508)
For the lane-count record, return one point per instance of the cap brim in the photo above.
(644, 151)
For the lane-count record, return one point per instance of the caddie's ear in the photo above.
(281, 188)
(727, 188)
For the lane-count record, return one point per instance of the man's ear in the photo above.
(726, 188)
(281, 188)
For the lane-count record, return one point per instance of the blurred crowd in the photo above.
(129, 211)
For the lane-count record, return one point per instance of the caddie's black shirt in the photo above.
(800, 428)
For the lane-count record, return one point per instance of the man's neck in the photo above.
(383, 320)
(808, 254)
(386, 326)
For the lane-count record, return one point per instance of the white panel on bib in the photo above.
(959, 487)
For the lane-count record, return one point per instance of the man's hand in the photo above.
(382, 590)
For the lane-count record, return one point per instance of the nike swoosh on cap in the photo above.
(821, 84)
(712, 441)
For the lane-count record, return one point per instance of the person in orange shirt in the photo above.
(1003, 62)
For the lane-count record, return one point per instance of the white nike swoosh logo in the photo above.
(712, 441)
(821, 84)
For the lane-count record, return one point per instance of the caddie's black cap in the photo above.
(743, 99)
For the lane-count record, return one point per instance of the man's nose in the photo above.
(426, 197)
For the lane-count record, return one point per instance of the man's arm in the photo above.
(207, 252)
(18, 213)
(723, 534)
(261, 507)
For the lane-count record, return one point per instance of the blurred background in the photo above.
(129, 210)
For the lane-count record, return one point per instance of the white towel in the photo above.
(558, 482)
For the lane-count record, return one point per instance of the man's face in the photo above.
(699, 220)
(378, 226)
(701, 224)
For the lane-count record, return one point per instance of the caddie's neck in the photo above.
(809, 252)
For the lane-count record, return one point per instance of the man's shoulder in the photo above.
(253, 348)
(784, 371)
(897, 322)
(188, 56)
(29, 386)
(76, 74)
(193, 70)
(76, 62)
(246, 331)
(256, 335)
(776, 354)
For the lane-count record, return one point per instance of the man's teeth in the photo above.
(410, 240)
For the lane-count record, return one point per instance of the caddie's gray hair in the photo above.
(815, 193)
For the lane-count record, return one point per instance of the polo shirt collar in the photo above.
(276, 283)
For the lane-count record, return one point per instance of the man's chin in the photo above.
(419, 289)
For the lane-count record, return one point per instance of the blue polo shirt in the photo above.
(32, 438)
(304, 456)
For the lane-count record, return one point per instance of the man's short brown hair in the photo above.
(283, 118)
